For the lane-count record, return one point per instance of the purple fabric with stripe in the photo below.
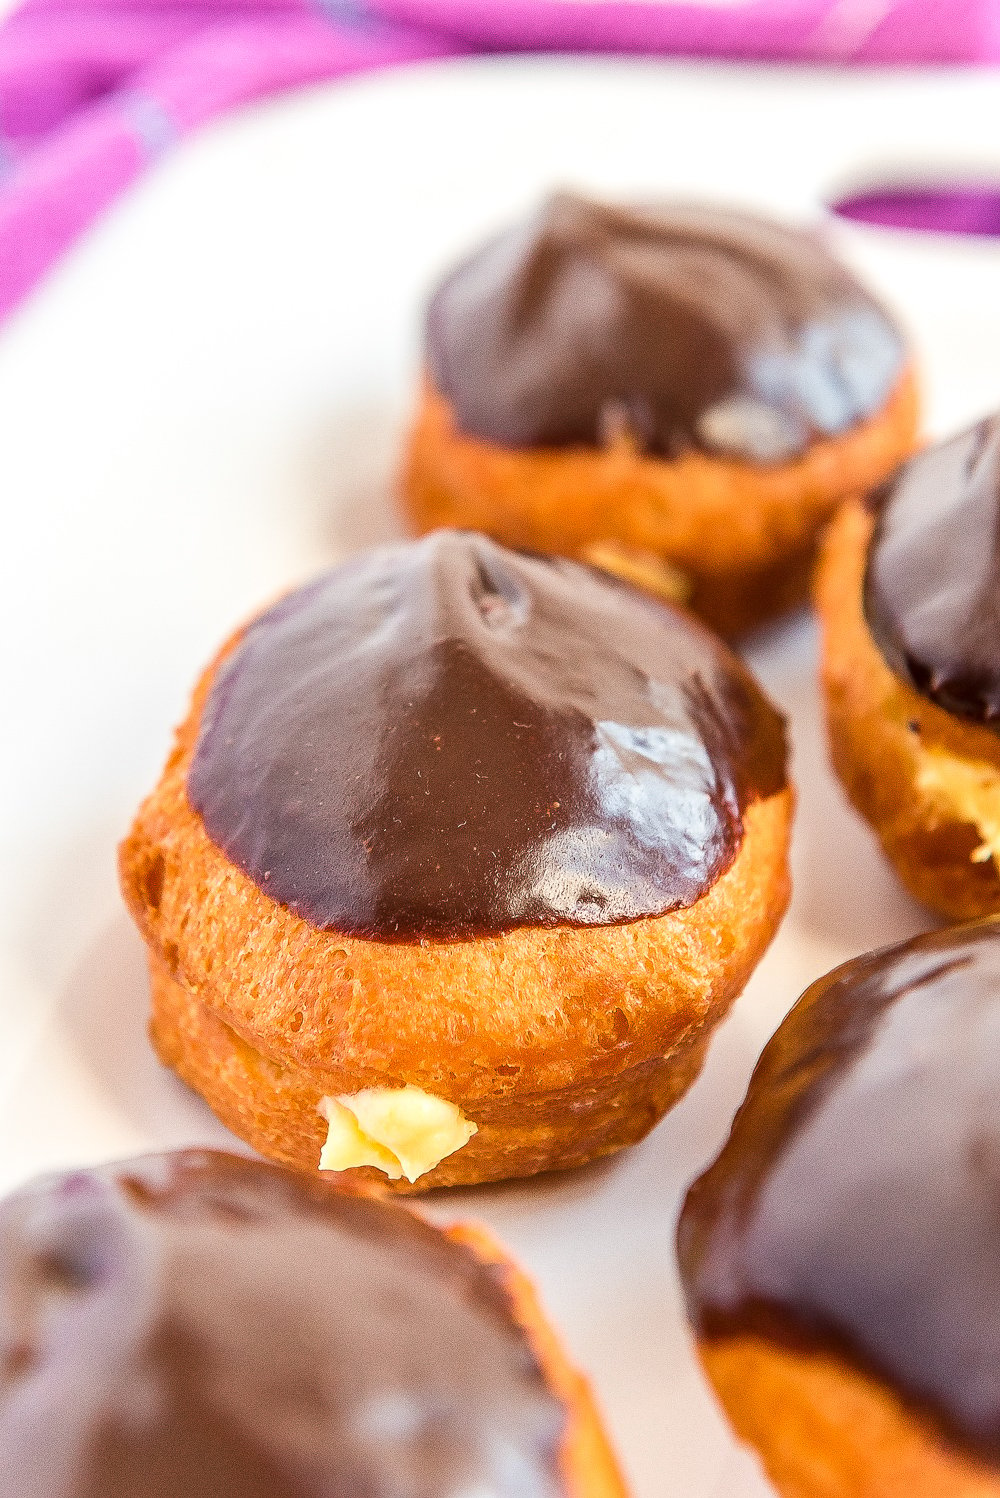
(893, 31)
(91, 92)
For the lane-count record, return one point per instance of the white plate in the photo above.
(204, 404)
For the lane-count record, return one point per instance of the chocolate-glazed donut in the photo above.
(482, 841)
(691, 326)
(679, 391)
(201, 1325)
(843, 1250)
(909, 595)
(932, 582)
(507, 741)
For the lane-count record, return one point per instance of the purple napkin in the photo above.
(933, 208)
(870, 31)
(92, 92)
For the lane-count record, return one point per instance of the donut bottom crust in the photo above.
(925, 780)
(738, 539)
(587, 1461)
(273, 1107)
(825, 1429)
(598, 1092)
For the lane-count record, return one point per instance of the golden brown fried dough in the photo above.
(927, 781)
(824, 1429)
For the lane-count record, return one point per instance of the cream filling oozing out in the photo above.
(966, 791)
(402, 1131)
(644, 569)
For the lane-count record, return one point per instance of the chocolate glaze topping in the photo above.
(688, 326)
(932, 586)
(856, 1205)
(447, 738)
(204, 1326)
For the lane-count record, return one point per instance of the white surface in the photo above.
(204, 404)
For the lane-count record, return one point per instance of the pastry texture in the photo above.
(908, 592)
(681, 394)
(458, 854)
(200, 1325)
(840, 1259)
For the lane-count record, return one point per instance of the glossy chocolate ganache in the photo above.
(447, 738)
(688, 326)
(856, 1205)
(206, 1326)
(932, 585)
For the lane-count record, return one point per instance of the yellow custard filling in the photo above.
(402, 1131)
(642, 568)
(966, 791)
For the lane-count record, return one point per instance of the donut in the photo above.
(200, 1325)
(841, 1258)
(457, 859)
(908, 593)
(679, 393)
